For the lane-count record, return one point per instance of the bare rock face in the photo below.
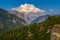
(18, 14)
(55, 32)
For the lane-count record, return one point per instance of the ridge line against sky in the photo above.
(42, 4)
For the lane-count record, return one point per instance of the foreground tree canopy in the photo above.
(36, 31)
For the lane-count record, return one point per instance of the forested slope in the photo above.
(39, 31)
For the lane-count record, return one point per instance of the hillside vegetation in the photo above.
(9, 21)
(39, 31)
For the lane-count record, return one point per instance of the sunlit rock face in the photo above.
(28, 12)
(55, 32)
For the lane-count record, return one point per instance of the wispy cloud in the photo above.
(51, 10)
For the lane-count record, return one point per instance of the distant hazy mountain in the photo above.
(40, 19)
(9, 21)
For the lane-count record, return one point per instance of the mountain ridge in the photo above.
(9, 21)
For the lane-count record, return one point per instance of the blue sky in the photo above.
(42, 4)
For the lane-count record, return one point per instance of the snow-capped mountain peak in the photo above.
(28, 12)
(27, 8)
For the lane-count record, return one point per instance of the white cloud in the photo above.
(51, 11)
(26, 8)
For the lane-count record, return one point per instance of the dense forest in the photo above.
(36, 31)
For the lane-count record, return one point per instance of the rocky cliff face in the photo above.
(18, 14)
(55, 32)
